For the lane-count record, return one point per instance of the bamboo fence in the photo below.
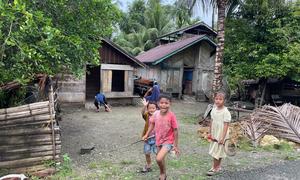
(29, 137)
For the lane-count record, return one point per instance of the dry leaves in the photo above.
(282, 122)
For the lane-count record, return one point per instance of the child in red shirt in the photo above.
(166, 132)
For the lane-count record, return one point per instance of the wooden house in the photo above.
(183, 63)
(114, 77)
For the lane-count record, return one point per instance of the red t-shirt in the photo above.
(164, 126)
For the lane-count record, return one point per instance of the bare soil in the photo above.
(110, 131)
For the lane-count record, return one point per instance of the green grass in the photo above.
(127, 162)
(189, 120)
(93, 165)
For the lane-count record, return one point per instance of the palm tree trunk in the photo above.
(217, 82)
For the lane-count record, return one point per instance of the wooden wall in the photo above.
(169, 73)
(71, 89)
(106, 80)
(109, 55)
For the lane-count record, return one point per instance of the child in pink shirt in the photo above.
(166, 132)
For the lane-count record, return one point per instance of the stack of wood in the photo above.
(29, 138)
(235, 132)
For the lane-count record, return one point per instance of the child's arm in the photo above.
(225, 129)
(151, 127)
(176, 141)
(147, 93)
(145, 103)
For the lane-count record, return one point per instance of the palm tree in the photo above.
(223, 7)
(158, 18)
(137, 42)
(182, 14)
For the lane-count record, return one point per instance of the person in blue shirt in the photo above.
(101, 100)
(155, 93)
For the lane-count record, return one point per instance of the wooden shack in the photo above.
(183, 63)
(184, 66)
(114, 77)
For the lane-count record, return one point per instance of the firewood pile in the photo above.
(235, 131)
(29, 137)
(281, 122)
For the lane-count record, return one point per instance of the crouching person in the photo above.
(101, 100)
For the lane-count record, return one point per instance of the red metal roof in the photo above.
(159, 53)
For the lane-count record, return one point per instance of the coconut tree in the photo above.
(223, 7)
(182, 14)
(157, 17)
(137, 42)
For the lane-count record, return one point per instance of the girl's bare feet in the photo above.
(162, 177)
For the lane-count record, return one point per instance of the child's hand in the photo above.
(209, 137)
(177, 152)
(145, 102)
(221, 142)
(144, 138)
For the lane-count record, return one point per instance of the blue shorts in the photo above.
(150, 146)
(169, 147)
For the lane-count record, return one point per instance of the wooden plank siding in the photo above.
(109, 55)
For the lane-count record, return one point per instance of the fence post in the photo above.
(51, 106)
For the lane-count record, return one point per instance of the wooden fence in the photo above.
(29, 137)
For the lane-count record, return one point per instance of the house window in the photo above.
(118, 77)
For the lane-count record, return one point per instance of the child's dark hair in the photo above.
(152, 102)
(165, 96)
(220, 93)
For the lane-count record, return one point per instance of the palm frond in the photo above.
(254, 129)
(282, 121)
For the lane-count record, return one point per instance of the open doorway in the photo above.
(92, 81)
(118, 78)
(187, 81)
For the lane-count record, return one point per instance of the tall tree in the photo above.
(182, 14)
(157, 17)
(133, 20)
(263, 41)
(50, 36)
(223, 7)
(138, 42)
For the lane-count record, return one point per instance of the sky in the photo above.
(206, 17)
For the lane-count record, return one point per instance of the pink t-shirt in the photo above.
(164, 127)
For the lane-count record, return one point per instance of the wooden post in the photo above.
(51, 104)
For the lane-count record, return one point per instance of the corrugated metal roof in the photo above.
(184, 29)
(160, 53)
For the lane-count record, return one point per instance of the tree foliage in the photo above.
(147, 20)
(134, 19)
(263, 41)
(50, 36)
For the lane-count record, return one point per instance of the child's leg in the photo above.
(160, 159)
(96, 104)
(148, 160)
(217, 163)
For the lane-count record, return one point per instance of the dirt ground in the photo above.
(110, 131)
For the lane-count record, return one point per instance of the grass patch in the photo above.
(190, 120)
(245, 145)
(203, 142)
(127, 162)
(64, 170)
(93, 165)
